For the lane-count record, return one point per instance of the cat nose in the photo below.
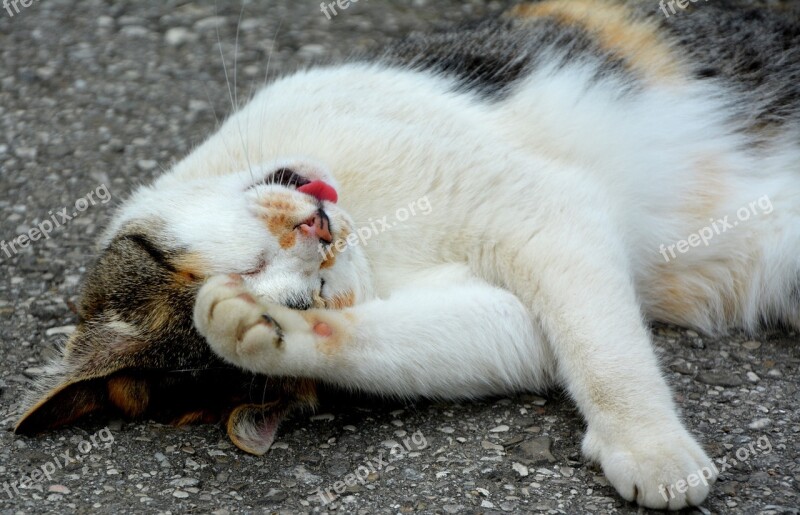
(318, 226)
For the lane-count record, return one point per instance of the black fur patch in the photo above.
(491, 56)
(754, 53)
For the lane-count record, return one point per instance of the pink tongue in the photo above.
(321, 190)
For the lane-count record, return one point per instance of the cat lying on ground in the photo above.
(585, 165)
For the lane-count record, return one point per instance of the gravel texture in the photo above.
(108, 93)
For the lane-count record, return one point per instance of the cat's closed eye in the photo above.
(260, 266)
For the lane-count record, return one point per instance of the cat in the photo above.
(577, 167)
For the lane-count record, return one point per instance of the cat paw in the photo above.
(242, 330)
(661, 468)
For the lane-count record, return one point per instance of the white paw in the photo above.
(242, 330)
(660, 468)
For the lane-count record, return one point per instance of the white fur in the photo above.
(539, 260)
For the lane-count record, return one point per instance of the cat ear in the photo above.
(252, 427)
(61, 405)
(79, 382)
(101, 367)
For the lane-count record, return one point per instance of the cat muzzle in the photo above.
(317, 226)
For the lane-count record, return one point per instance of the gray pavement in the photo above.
(107, 93)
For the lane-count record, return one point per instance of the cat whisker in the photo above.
(264, 396)
(266, 75)
(231, 90)
(235, 91)
(197, 369)
(225, 70)
(216, 118)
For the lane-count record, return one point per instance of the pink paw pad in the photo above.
(323, 329)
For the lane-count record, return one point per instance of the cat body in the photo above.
(535, 187)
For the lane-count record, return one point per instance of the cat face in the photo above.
(136, 349)
(260, 223)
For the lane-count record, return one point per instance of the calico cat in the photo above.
(574, 156)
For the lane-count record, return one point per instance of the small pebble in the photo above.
(520, 469)
(489, 446)
(146, 165)
(759, 423)
(177, 36)
(58, 489)
(185, 481)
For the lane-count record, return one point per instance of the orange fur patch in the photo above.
(191, 266)
(128, 394)
(617, 31)
(288, 240)
(194, 417)
(329, 260)
(688, 297)
(278, 217)
(341, 300)
(277, 224)
(331, 252)
(306, 391)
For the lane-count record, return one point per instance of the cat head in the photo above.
(135, 349)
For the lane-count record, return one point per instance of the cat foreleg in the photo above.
(445, 341)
